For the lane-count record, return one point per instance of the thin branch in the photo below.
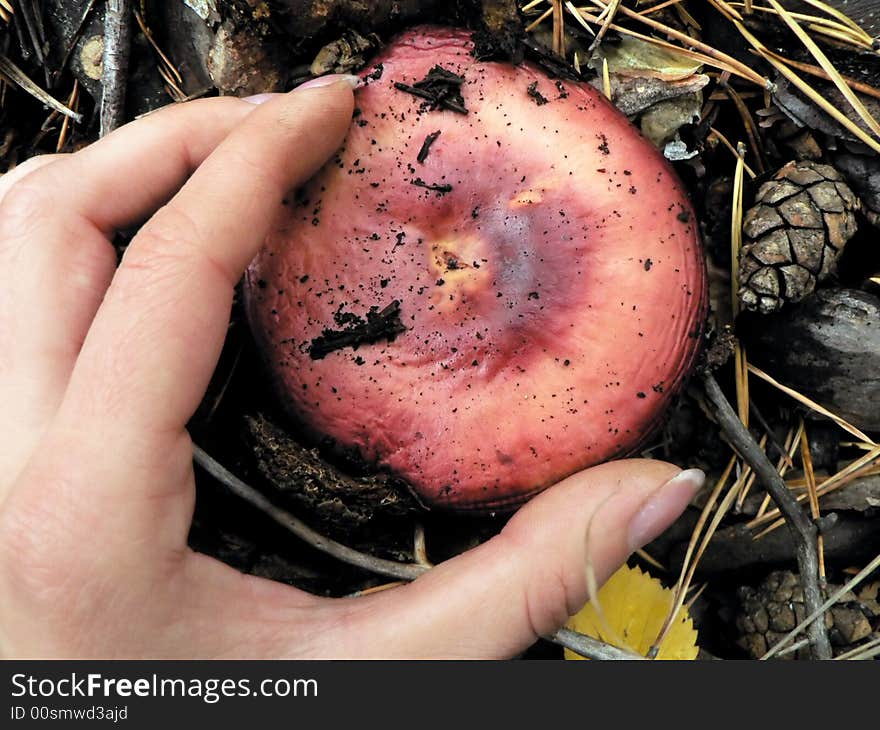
(390, 568)
(114, 75)
(578, 643)
(803, 532)
(589, 647)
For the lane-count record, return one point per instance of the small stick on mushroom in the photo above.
(803, 531)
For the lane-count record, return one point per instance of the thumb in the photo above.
(496, 599)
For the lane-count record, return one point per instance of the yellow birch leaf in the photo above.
(632, 609)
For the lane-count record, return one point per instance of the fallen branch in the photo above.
(803, 531)
(114, 74)
(390, 568)
(578, 643)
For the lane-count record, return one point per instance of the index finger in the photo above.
(150, 352)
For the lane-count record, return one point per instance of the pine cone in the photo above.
(793, 235)
(776, 606)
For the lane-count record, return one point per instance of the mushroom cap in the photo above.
(546, 266)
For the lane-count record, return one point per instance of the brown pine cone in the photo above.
(793, 235)
(776, 606)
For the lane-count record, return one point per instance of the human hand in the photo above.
(101, 368)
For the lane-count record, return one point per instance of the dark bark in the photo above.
(828, 348)
(850, 539)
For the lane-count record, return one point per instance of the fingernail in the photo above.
(350, 79)
(259, 98)
(663, 506)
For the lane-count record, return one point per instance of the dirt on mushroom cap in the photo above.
(546, 261)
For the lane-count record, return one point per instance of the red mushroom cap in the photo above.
(518, 305)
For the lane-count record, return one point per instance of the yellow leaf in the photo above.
(632, 609)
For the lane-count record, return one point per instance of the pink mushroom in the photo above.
(496, 283)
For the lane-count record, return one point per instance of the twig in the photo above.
(607, 17)
(390, 568)
(15, 75)
(578, 643)
(803, 532)
(114, 75)
(589, 647)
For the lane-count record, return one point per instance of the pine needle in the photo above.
(73, 103)
(726, 142)
(843, 31)
(736, 224)
(650, 560)
(688, 567)
(725, 9)
(606, 79)
(854, 470)
(718, 58)
(558, 29)
(15, 75)
(828, 67)
(808, 90)
(783, 464)
(854, 84)
(867, 650)
(607, 17)
(749, 124)
(811, 404)
(541, 18)
(167, 70)
(841, 36)
(837, 14)
(657, 8)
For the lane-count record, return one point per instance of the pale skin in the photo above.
(101, 368)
